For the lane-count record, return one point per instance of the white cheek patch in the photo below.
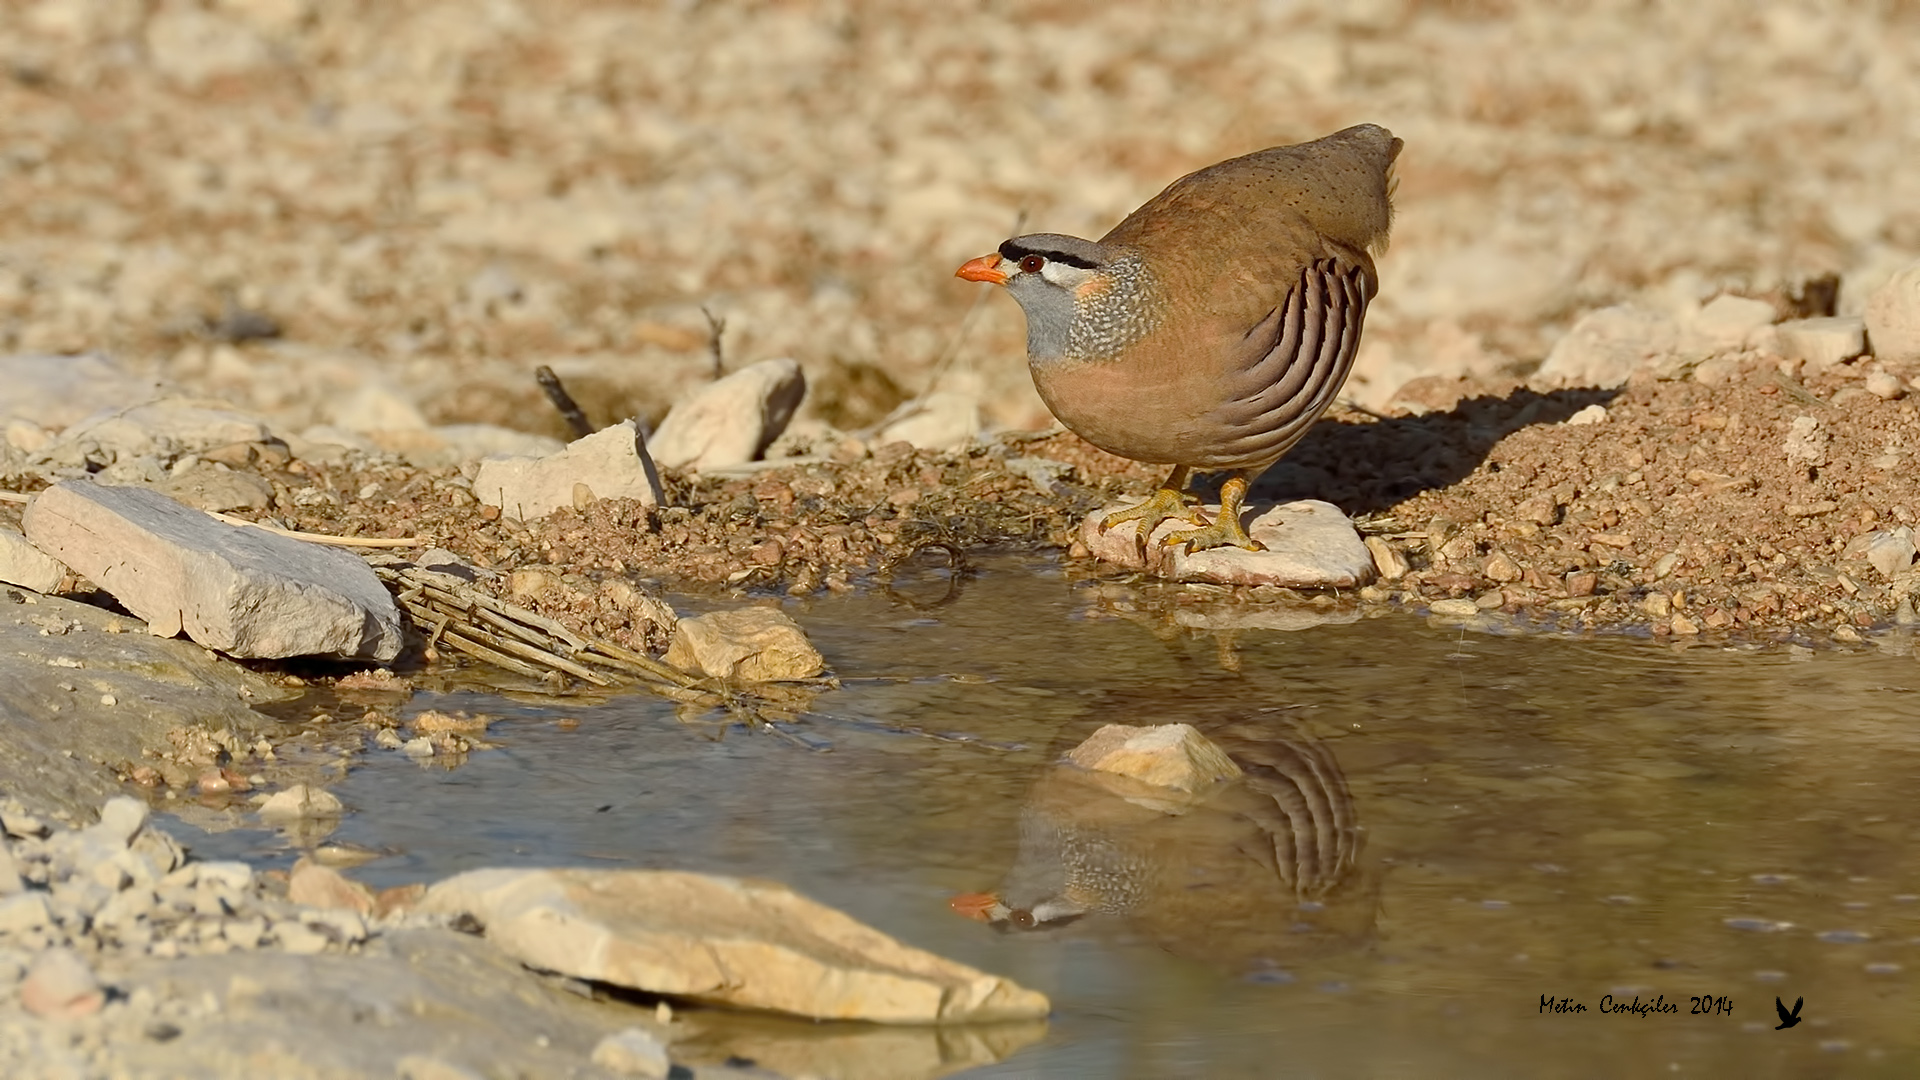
(1067, 277)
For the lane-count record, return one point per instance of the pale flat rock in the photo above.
(609, 464)
(60, 660)
(731, 421)
(1173, 756)
(57, 391)
(212, 487)
(1310, 545)
(1607, 346)
(755, 644)
(458, 444)
(1822, 342)
(1726, 322)
(246, 592)
(167, 428)
(1891, 551)
(944, 419)
(633, 1052)
(726, 941)
(1893, 318)
(27, 566)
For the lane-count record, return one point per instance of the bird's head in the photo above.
(1041, 914)
(1055, 278)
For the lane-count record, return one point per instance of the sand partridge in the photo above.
(1209, 329)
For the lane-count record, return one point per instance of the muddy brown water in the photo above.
(1508, 820)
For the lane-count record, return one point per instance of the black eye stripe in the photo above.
(1013, 252)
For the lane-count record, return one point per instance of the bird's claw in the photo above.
(1224, 531)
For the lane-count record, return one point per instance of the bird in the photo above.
(1788, 1019)
(1212, 326)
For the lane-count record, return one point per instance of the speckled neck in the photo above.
(1107, 321)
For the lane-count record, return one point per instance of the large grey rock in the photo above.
(1310, 544)
(1893, 318)
(243, 591)
(731, 421)
(57, 391)
(1605, 347)
(1823, 342)
(609, 464)
(61, 662)
(728, 941)
(27, 566)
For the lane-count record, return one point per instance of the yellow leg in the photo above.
(1170, 501)
(1226, 530)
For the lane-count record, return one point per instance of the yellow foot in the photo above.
(1164, 504)
(1225, 531)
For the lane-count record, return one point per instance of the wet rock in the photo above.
(748, 944)
(243, 591)
(1891, 551)
(1606, 346)
(1822, 342)
(1310, 544)
(1388, 561)
(1454, 608)
(731, 421)
(1163, 755)
(59, 658)
(54, 392)
(608, 464)
(60, 986)
(755, 644)
(633, 1052)
(1893, 318)
(943, 419)
(298, 802)
(27, 566)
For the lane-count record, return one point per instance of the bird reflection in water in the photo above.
(1247, 872)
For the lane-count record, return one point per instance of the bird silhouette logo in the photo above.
(1788, 1019)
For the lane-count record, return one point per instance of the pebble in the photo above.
(633, 1052)
(1459, 609)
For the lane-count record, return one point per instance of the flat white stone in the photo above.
(1310, 545)
(1605, 347)
(56, 391)
(245, 592)
(27, 566)
(728, 941)
(611, 464)
(731, 421)
(1822, 342)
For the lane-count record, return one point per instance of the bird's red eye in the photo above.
(1032, 264)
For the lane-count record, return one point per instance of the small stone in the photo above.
(755, 644)
(1806, 443)
(1457, 609)
(1657, 604)
(1822, 343)
(122, 818)
(389, 739)
(611, 463)
(1683, 625)
(1592, 414)
(324, 887)
(1890, 551)
(732, 421)
(60, 986)
(1388, 561)
(1605, 347)
(1885, 385)
(633, 1052)
(1582, 582)
(1893, 318)
(300, 801)
(24, 912)
(1726, 322)
(300, 939)
(419, 747)
(1164, 755)
(1501, 567)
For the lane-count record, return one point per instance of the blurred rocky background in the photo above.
(372, 216)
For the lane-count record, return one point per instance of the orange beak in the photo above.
(977, 905)
(984, 268)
